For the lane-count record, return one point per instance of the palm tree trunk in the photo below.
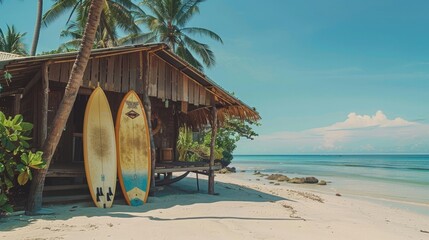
(37, 28)
(34, 204)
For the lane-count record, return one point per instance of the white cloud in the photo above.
(363, 121)
(356, 134)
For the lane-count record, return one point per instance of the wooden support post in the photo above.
(43, 127)
(144, 77)
(212, 149)
(17, 104)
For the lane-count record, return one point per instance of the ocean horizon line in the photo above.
(337, 154)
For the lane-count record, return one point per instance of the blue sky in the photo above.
(308, 65)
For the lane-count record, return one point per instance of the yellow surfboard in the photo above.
(99, 149)
(133, 148)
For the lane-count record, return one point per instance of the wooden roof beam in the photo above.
(31, 83)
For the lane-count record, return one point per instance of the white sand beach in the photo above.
(243, 210)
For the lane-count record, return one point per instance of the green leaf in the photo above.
(21, 168)
(2, 117)
(8, 183)
(7, 144)
(1, 167)
(17, 119)
(9, 168)
(24, 144)
(25, 159)
(23, 178)
(3, 199)
(26, 126)
(7, 208)
(24, 138)
(13, 137)
(30, 175)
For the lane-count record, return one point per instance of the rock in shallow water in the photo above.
(322, 182)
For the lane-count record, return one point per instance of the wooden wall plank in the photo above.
(117, 78)
(65, 72)
(103, 73)
(161, 79)
(185, 88)
(110, 73)
(125, 73)
(196, 94)
(179, 86)
(54, 72)
(168, 81)
(202, 96)
(133, 71)
(209, 97)
(174, 74)
(139, 81)
(87, 74)
(184, 107)
(95, 71)
(191, 91)
(153, 76)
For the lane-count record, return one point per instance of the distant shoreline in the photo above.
(339, 154)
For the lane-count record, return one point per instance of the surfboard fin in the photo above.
(99, 193)
(109, 194)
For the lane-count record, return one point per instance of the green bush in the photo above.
(16, 158)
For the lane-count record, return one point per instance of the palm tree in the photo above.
(116, 14)
(36, 27)
(34, 204)
(168, 24)
(75, 30)
(12, 41)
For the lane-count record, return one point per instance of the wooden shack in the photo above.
(179, 95)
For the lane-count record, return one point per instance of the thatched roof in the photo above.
(7, 56)
(23, 69)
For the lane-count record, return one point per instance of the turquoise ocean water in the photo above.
(401, 180)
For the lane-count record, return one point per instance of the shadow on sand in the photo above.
(182, 193)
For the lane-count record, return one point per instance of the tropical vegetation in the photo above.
(116, 15)
(16, 157)
(12, 41)
(190, 149)
(167, 22)
(195, 147)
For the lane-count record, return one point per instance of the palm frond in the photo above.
(188, 9)
(185, 54)
(139, 38)
(12, 41)
(59, 8)
(202, 32)
(156, 8)
(203, 50)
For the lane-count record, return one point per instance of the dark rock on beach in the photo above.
(296, 180)
(227, 170)
(311, 180)
(278, 177)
